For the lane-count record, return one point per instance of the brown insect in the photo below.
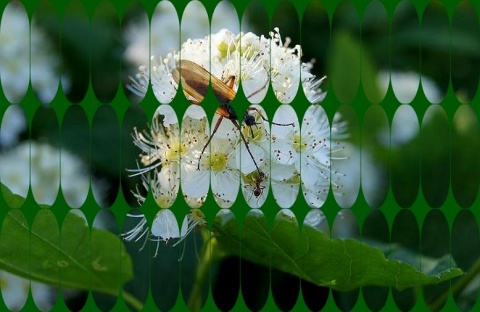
(195, 80)
(256, 179)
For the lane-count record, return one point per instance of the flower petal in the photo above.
(281, 173)
(195, 182)
(165, 225)
(246, 163)
(283, 152)
(285, 193)
(225, 186)
(311, 172)
(169, 116)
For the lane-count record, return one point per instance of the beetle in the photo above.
(195, 80)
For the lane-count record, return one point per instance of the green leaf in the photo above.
(88, 265)
(13, 200)
(342, 264)
(100, 263)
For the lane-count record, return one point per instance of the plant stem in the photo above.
(458, 287)
(202, 272)
(130, 299)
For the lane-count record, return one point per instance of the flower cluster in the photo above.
(250, 58)
(286, 147)
(251, 154)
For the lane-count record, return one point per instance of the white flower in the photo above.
(164, 86)
(305, 155)
(285, 161)
(259, 57)
(300, 157)
(164, 228)
(194, 136)
(285, 68)
(14, 290)
(221, 162)
(405, 85)
(287, 71)
(345, 174)
(405, 127)
(75, 180)
(164, 156)
(161, 152)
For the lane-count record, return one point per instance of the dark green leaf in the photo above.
(342, 264)
(344, 66)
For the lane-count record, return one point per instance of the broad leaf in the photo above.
(342, 264)
(39, 254)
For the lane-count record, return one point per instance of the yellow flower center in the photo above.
(173, 153)
(163, 201)
(253, 133)
(299, 143)
(218, 161)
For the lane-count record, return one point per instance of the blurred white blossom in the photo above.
(406, 85)
(44, 166)
(15, 51)
(45, 66)
(15, 291)
(17, 65)
(14, 122)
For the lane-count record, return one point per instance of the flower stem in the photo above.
(131, 300)
(458, 287)
(202, 273)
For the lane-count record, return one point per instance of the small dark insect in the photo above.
(258, 189)
(250, 120)
(195, 80)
